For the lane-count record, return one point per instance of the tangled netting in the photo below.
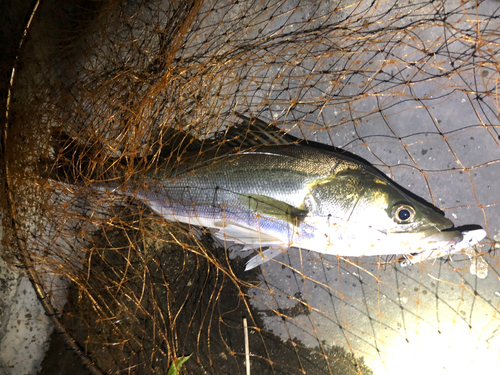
(131, 87)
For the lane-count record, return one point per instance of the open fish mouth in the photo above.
(444, 243)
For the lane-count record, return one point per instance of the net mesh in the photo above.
(409, 86)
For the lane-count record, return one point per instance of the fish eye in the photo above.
(403, 214)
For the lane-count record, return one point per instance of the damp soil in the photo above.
(141, 299)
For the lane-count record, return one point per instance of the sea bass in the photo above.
(292, 195)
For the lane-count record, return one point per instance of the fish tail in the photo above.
(73, 161)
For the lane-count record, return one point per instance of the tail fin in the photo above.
(76, 161)
(73, 161)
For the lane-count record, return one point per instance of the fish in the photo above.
(274, 197)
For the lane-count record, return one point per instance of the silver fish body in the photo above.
(297, 196)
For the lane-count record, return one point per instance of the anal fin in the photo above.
(263, 257)
(244, 235)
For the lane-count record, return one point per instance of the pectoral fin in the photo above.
(273, 208)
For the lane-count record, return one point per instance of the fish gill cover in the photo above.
(110, 96)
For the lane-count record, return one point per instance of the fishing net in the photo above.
(131, 89)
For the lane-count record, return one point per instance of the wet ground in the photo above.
(209, 308)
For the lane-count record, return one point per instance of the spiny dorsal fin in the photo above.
(253, 132)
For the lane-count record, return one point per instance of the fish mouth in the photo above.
(433, 245)
(447, 236)
(433, 239)
(469, 237)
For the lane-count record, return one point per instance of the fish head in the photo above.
(379, 216)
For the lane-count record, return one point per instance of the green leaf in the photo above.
(176, 366)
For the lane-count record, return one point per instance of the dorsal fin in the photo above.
(253, 132)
